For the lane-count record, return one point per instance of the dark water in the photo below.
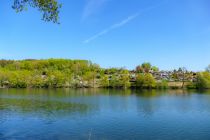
(104, 114)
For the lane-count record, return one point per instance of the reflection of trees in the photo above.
(63, 102)
(148, 93)
(119, 99)
(47, 108)
(158, 93)
(149, 101)
(179, 92)
(146, 103)
(183, 101)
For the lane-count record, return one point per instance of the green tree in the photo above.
(124, 79)
(163, 84)
(145, 68)
(4, 79)
(56, 79)
(149, 81)
(154, 68)
(175, 75)
(104, 81)
(90, 77)
(120, 78)
(145, 81)
(38, 81)
(203, 80)
(49, 8)
(140, 80)
(18, 79)
(114, 81)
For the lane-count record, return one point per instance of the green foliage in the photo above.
(203, 80)
(64, 73)
(53, 73)
(163, 84)
(146, 67)
(49, 8)
(125, 79)
(120, 79)
(154, 68)
(191, 85)
(140, 80)
(104, 82)
(56, 79)
(90, 77)
(145, 81)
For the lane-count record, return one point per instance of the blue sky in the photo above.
(112, 33)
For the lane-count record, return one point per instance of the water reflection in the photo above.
(111, 114)
(83, 101)
(48, 104)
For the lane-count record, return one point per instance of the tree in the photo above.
(3, 78)
(145, 81)
(183, 71)
(145, 68)
(104, 81)
(56, 79)
(155, 69)
(149, 81)
(90, 77)
(114, 81)
(203, 80)
(140, 80)
(163, 84)
(139, 69)
(175, 75)
(49, 8)
(125, 79)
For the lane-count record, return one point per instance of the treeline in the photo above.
(64, 73)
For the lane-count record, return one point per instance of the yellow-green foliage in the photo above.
(59, 73)
(203, 80)
(145, 81)
(120, 79)
(163, 84)
(49, 8)
(43, 73)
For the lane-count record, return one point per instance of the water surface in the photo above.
(104, 114)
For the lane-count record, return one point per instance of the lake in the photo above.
(92, 114)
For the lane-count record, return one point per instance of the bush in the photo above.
(162, 84)
(203, 80)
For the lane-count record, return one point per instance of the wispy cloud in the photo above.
(91, 7)
(121, 23)
(115, 26)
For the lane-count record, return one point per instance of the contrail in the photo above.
(117, 25)
(121, 23)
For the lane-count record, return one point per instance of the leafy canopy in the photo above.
(146, 67)
(49, 8)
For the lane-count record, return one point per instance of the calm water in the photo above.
(104, 114)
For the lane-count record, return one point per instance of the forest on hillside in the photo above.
(65, 73)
